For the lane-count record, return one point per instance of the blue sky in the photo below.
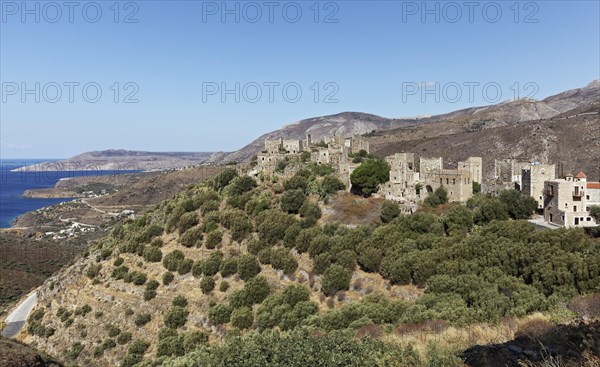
(349, 56)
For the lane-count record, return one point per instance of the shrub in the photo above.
(336, 278)
(152, 285)
(152, 254)
(124, 338)
(187, 221)
(93, 270)
(219, 314)
(180, 301)
(282, 259)
(176, 317)
(240, 185)
(242, 318)
(172, 260)
(224, 286)
(75, 350)
(138, 278)
(248, 267)
(292, 201)
(167, 278)
(310, 212)
(192, 237)
(347, 259)
(228, 267)
(321, 263)
(118, 261)
(113, 330)
(264, 256)
(207, 284)
(213, 239)
(185, 266)
(131, 360)
(149, 294)
(389, 211)
(157, 242)
(331, 185)
(438, 197)
(138, 347)
(142, 319)
(193, 340)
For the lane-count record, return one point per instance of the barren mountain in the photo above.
(120, 159)
(465, 120)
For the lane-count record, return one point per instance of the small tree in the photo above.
(389, 211)
(292, 201)
(242, 318)
(369, 175)
(248, 267)
(438, 197)
(336, 278)
(207, 284)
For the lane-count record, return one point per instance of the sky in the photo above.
(213, 76)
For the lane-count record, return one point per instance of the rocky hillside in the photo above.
(120, 159)
(470, 119)
(236, 257)
(571, 138)
(14, 354)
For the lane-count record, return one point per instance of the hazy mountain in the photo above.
(120, 159)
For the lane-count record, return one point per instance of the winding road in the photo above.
(16, 320)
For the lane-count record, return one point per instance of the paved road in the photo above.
(16, 320)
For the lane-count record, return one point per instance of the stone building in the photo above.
(458, 182)
(533, 178)
(404, 177)
(565, 202)
(592, 195)
(428, 165)
(474, 165)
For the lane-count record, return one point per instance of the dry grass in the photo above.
(354, 210)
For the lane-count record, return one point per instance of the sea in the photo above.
(14, 184)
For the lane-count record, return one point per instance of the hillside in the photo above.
(345, 124)
(120, 159)
(571, 138)
(235, 257)
(466, 120)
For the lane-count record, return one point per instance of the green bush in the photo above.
(138, 347)
(142, 319)
(219, 314)
(213, 239)
(176, 317)
(152, 254)
(292, 201)
(336, 278)
(242, 318)
(187, 221)
(113, 330)
(192, 237)
(228, 267)
(75, 351)
(248, 267)
(224, 286)
(138, 278)
(207, 284)
(167, 278)
(180, 301)
(172, 260)
(389, 211)
(185, 266)
(93, 270)
(124, 338)
(118, 261)
(438, 197)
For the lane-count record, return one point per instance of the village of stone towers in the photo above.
(322, 183)
(561, 201)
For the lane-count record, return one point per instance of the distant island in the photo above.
(123, 160)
